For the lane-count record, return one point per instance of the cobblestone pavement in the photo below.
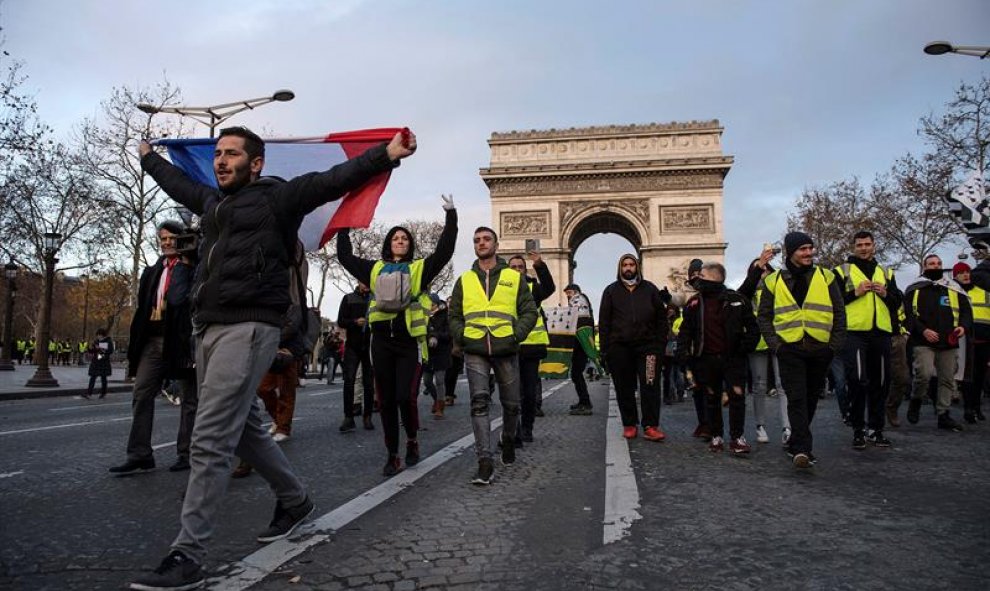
(915, 515)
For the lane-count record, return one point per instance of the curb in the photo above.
(58, 392)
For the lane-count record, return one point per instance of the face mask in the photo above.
(933, 274)
(707, 286)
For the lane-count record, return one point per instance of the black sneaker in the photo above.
(575, 405)
(485, 472)
(412, 452)
(133, 467)
(946, 422)
(392, 466)
(914, 411)
(859, 440)
(878, 440)
(582, 410)
(527, 435)
(180, 465)
(175, 573)
(969, 417)
(508, 452)
(539, 412)
(347, 425)
(286, 520)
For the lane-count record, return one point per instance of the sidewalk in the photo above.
(72, 381)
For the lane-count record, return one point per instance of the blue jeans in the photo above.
(506, 369)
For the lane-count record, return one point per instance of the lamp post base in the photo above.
(42, 378)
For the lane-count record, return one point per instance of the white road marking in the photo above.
(50, 427)
(9, 474)
(256, 566)
(621, 492)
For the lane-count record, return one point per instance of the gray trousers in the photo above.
(507, 376)
(758, 371)
(230, 362)
(930, 362)
(147, 386)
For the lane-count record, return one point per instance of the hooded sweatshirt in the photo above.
(633, 314)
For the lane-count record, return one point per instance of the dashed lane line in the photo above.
(256, 566)
(621, 492)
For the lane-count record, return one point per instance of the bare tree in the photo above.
(47, 191)
(830, 215)
(367, 244)
(961, 135)
(909, 215)
(20, 128)
(108, 145)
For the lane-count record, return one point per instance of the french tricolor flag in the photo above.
(288, 158)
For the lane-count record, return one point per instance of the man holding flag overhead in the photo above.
(250, 225)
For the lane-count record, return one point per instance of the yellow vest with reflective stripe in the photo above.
(953, 303)
(416, 312)
(814, 318)
(675, 328)
(861, 311)
(497, 315)
(539, 335)
(980, 299)
(762, 345)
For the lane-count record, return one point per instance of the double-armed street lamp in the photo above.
(10, 272)
(943, 47)
(217, 114)
(43, 377)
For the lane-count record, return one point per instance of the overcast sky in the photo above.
(808, 92)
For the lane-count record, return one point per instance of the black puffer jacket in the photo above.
(248, 235)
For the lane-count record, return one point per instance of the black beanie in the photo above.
(695, 266)
(794, 241)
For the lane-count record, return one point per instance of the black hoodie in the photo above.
(632, 317)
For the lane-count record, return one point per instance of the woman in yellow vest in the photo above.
(803, 319)
(397, 317)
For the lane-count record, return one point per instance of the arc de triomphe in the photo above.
(657, 185)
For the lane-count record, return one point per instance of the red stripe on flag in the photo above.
(357, 208)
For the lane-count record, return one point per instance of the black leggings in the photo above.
(397, 369)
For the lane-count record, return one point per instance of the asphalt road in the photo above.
(916, 515)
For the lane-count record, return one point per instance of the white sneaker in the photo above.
(786, 437)
(280, 437)
(761, 435)
(271, 429)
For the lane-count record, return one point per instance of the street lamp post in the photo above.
(943, 47)
(217, 114)
(10, 272)
(85, 331)
(43, 377)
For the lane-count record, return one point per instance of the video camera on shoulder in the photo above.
(187, 243)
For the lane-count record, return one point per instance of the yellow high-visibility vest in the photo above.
(980, 299)
(416, 312)
(675, 328)
(496, 316)
(953, 303)
(814, 318)
(860, 312)
(539, 334)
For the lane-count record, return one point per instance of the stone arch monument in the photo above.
(657, 185)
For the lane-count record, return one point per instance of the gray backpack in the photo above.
(393, 288)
